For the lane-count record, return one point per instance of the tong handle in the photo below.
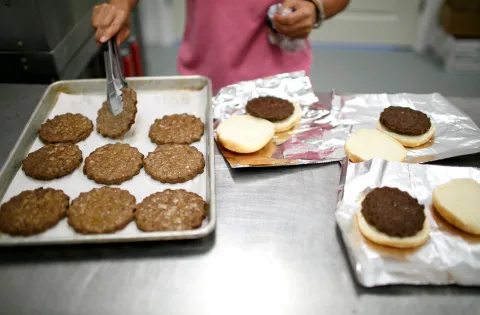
(112, 60)
(115, 79)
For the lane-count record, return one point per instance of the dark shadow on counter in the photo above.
(472, 160)
(402, 290)
(111, 251)
(263, 173)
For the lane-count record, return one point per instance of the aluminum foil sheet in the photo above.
(450, 256)
(456, 134)
(311, 141)
(329, 119)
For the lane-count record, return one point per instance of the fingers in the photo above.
(115, 26)
(298, 31)
(95, 12)
(108, 20)
(123, 35)
(289, 4)
(99, 13)
(108, 17)
(299, 23)
(301, 33)
(292, 18)
(99, 34)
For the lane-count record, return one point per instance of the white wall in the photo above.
(179, 17)
(365, 21)
(161, 21)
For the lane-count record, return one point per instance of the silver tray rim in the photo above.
(41, 111)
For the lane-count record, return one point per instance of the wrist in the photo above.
(125, 5)
(320, 12)
(313, 9)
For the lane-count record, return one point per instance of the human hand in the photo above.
(297, 24)
(111, 19)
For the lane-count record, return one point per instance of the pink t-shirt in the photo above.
(227, 41)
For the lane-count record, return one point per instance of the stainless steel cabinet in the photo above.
(45, 40)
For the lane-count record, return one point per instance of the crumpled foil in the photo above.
(456, 134)
(450, 256)
(329, 119)
(307, 143)
(296, 86)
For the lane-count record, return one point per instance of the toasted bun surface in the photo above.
(458, 202)
(372, 234)
(367, 144)
(406, 140)
(288, 123)
(244, 133)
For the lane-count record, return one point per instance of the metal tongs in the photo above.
(115, 80)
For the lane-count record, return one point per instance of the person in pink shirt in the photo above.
(227, 40)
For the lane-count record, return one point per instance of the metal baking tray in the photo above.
(157, 96)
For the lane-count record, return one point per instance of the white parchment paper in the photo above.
(151, 105)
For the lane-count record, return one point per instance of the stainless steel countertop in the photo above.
(276, 250)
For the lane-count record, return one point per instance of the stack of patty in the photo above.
(107, 209)
(101, 210)
(52, 161)
(267, 115)
(171, 210)
(174, 160)
(269, 108)
(66, 128)
(112, 164)
(176, 129)
(391, 217)
(410, 127)
(111, 126)
(174, 163)
(398, 128)
(33, 211)
(60, 156)
(282, 113)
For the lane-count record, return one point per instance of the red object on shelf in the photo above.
(137, 62)
(128, 66)
(127, 63)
